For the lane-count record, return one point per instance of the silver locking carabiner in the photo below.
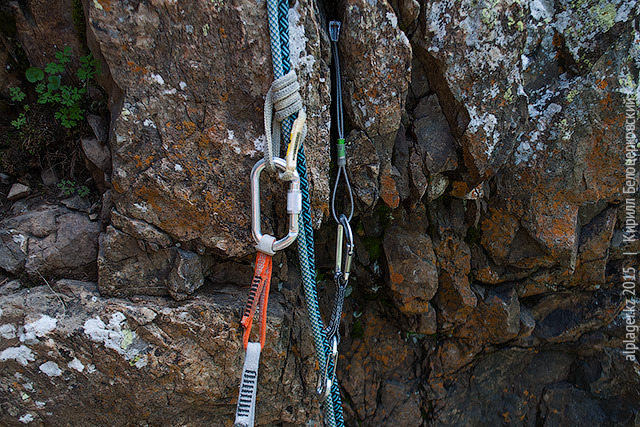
(265, 242)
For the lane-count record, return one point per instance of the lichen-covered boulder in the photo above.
(125, 360)
(187, 121)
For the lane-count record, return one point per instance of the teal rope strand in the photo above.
(278, 14)
(306, 250)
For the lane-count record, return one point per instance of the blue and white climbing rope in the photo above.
(278, 15)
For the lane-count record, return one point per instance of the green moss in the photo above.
(373, 245)
(357, 330)
(431, 231)
(385, 215)
(473, 235)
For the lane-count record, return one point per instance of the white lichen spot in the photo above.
(38, 329)
(141, 206)
(233, 142)
(97, 5)
(116, 336)
(622, 15)
(141, 362)
(76, 364)
(51, 369)
(125, 113)
(205, 30)
(259, 143)
(27, 418)
(177, 168)
(91, 369)
(393, 19)
(370, 121)
(149, 123)
(157, 78)
(183, 85)
(8, 331)
(188, 29)
(302, 61)
(488, 122)
(19, 239)
(541, 10)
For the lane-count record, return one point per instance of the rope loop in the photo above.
(283, 100)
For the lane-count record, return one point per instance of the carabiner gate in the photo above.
(343, 266)
(324, 382)
(265, 242)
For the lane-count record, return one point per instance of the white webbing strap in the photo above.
(246, 408)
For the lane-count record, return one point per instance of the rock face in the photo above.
(486, 150)
(180, 151)
(51, 242)
(148, 349)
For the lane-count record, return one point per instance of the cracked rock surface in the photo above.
(485, 146)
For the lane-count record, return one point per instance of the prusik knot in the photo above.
(283, 100)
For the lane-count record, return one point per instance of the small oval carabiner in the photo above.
(343, 263)
(265, 242)
(324, 382)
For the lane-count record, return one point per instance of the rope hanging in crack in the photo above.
(279, 35)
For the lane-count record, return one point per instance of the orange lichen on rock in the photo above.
(389, 191)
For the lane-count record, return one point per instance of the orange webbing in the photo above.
(259, 294)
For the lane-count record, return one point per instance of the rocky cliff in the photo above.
(486, 142)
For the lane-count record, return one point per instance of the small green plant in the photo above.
(17, 95)
(66, 100)
(71, 188)
(19, 122)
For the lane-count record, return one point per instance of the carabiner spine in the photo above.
(344, 250)
(339, 242)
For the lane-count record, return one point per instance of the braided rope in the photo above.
(278, 11)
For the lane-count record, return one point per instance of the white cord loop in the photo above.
(283, 99)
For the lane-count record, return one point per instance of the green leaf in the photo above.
(16, 94)
(83, 191)
(82, 74)
(19, 122)
(34, 74)
(40, 88)
(54, 82)
(64, 56)
(54, 68)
